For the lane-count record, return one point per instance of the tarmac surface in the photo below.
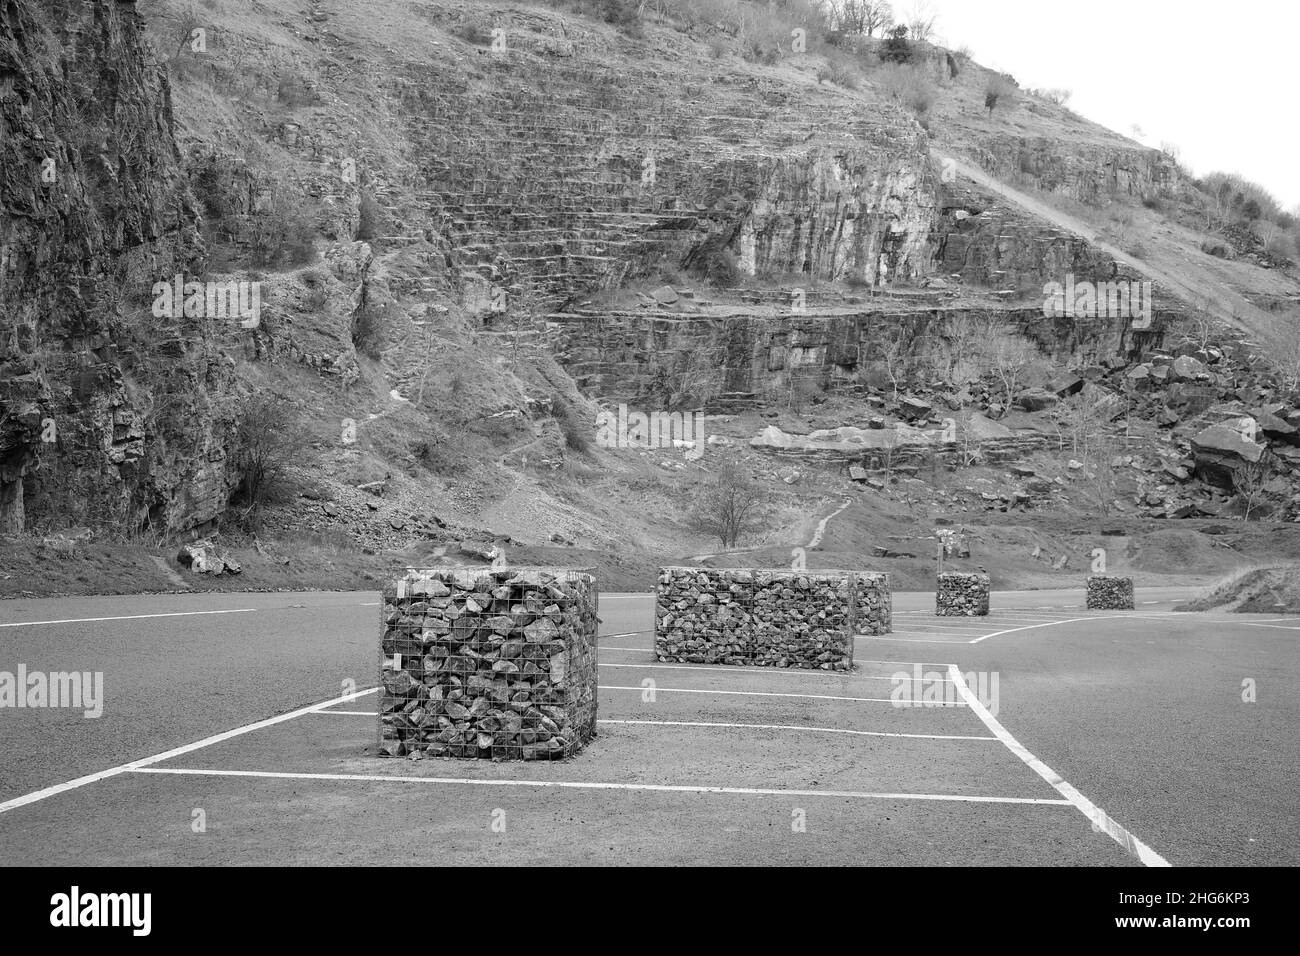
(240, 729)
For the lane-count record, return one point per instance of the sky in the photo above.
(1217, 79)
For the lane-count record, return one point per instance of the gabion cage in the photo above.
(960, 594)
(766, 618)
(1108, 593)
(489, 663)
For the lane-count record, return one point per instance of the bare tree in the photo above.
(1009, 357)
(1248, 482)
(187, 22)
(1100, 474)
(886, 454)
(893, 355)
(921, 21)
(1287, 357)
(729, 508)
(1078, 423)
(863, 16)
(268, 440)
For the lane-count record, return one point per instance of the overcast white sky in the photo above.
(1218, 79)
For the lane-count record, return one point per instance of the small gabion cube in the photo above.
(766, 618)
(488, 663)
(1110, 593)
(962, 594)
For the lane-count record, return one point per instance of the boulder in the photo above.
(1036, 399)
(1219, 450)
(666, 295)
(1186, 368)
(915, 408)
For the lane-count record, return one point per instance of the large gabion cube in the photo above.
(874, 607)
(489, 663)
(962, 594)
(762, 618)
(1108, 593)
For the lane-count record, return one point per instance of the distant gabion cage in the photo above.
(766, 618)
(1107, 593)
(489, 663)
(962, 595)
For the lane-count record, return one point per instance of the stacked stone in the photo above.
(1108, 593)
(874, 604)
(489, 663)
(962, 595)
(760, 618)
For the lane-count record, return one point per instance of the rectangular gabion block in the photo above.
(874, 607)
(962, 595)
(1108, 593)
(488, 663)
(765, 618)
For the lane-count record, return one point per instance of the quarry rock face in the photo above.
(1087, 173)
(111, 414)
(841, 214)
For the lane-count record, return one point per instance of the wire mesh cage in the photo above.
(489, 663)
(961, 594)
(1106, 592)
(766, 618)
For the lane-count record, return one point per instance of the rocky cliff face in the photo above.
(110, 416)
(1088, 173)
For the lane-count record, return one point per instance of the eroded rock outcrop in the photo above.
(110, 415)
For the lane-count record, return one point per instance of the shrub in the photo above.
(841, 71)
(576, 432)
(999, 89)
(268, 440)
(911, 87)
(369, 216)
(897, 49)
(293, 90)
(367, 330)
(473, 33)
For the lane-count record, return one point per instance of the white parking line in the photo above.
(775, 671)
(1157, 616)
(707, 723)
(137, 765)
(592, 785)
(758, 693)
(823, 730)
(1100, 820)
(127, 617)
(908, 640)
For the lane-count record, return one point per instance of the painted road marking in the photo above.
(707, 723)
(760, 693)
(137, 765)
(908, 640)
(585, 785)
(823, 730)
(1077, 620)
(127, 617)
(1100, 819)
(784, 672)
